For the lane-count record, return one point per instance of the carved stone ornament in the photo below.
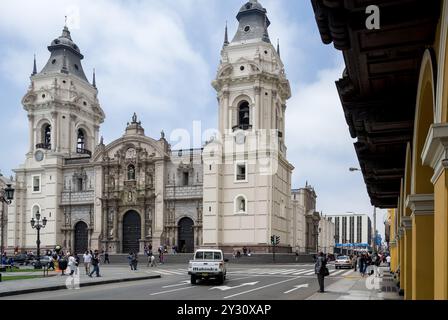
(131, 153)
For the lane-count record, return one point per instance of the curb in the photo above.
(88, 284)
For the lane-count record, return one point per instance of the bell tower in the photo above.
(63, 109)
(247, 178)
(64, 117)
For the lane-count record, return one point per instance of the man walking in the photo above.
(96, 265)
(87, 258)
(321, 270)
(106, 258)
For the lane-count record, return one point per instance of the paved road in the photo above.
(275, 282)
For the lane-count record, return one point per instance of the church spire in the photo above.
(34, 67)
(226, 37)
(278, 47)
(94, 79)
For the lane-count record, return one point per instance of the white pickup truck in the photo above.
(208, 264)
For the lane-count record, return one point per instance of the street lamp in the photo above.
(36, 224)
(7, 194)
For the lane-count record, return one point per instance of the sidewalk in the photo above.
(109, 274)
(354, 287)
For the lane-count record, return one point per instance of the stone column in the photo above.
(72, 134)
(257, 110)
(422, 206)
(54, 132)
(31, 132)
(159, 202)
(224, 122)
(407, 263)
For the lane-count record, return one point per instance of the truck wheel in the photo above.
(193, 279)
(220, 280)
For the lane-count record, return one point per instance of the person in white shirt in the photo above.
(87, 258)
(388, 260)
(72, 264)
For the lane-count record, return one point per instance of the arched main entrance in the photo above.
(81, 237)
(131, 232)
(186, 235)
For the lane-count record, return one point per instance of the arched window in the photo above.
(35, 210)
(81, 141)
(131, 172)
(244, 116)
(240, 205)
(46, 136)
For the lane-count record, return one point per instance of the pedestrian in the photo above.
(87, 259)
(106, 258)
(72, 264)
(376, 264)
(130, 260)
(153, 261)
(355, 262)
(62, 262)
(321, 270)
(96, 265)
(388, 260)
(359, 263)
(135, 261)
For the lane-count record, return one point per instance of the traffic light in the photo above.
(277, 240)
(273, 240)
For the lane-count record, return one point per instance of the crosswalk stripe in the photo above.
(301, 271)
(348, 272)
(162, 272)
(309, 273)
(290, 271)
(169, 272)
(336, 273)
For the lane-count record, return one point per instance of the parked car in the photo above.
(44, 260)
(208, 264)
(21, 259)
(343, 262)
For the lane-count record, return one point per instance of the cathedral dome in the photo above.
(251, 6)
(253, 23)
(65, 40)
(65, 57)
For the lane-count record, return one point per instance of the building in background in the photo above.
(305, 224)
(353, 232)
(326, 241)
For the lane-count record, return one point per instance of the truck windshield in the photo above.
(208, 255)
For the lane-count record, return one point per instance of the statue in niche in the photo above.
(130, 196)
(149, 231)
(111, 233)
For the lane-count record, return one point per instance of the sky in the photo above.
(158, 59)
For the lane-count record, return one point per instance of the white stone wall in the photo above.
(326, 235)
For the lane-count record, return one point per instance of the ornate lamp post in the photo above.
(36, 224)
(6, 196)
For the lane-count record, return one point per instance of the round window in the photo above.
(246, 28)
(54, 61)
(242, 68)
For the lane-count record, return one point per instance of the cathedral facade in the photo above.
(136, 191)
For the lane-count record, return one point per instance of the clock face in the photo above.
(39, 156)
